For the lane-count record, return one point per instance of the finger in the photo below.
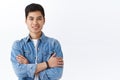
(59, 58)
(60, 63)
(18, 57)
(22, 56)
(19, 60)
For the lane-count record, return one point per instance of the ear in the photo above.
(44, 20)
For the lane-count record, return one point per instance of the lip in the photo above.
(35, 27)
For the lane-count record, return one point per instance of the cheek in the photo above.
(29, 25)
(28, 22)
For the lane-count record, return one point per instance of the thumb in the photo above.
(54, 54)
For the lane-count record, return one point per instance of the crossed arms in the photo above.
(23, 68)
(52, 62)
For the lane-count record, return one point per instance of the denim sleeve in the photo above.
(56, 72)
(21, 70)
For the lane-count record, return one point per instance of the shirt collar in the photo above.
(42, 38)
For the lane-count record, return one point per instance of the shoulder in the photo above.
(52, 40)
(19, 43)
(48, 39)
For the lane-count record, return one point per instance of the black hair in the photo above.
(34, 7)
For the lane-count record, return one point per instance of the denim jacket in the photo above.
(25, 47)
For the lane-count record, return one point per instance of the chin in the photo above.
(36, 31)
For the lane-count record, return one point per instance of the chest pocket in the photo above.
(29, 56)
(26, 53)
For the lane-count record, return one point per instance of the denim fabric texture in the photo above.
(25, 47)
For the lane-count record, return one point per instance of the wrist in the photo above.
(47, 64)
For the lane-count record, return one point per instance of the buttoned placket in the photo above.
(36, 59)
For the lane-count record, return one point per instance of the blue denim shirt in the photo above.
(25, 47)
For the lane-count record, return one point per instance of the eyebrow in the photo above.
(33, 17)
(30, 17)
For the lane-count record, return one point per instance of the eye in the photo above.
(39, 18)
(30, 18)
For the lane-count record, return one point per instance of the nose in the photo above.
(35, 22)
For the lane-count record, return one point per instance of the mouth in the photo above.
(35, 27)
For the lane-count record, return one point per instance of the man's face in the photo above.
(35, 22)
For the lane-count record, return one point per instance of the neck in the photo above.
(35, 35)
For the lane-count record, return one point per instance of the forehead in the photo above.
(35, 14)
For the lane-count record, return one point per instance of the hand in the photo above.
(21, 59)
(55, 61)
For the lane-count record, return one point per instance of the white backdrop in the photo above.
(88, 30)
